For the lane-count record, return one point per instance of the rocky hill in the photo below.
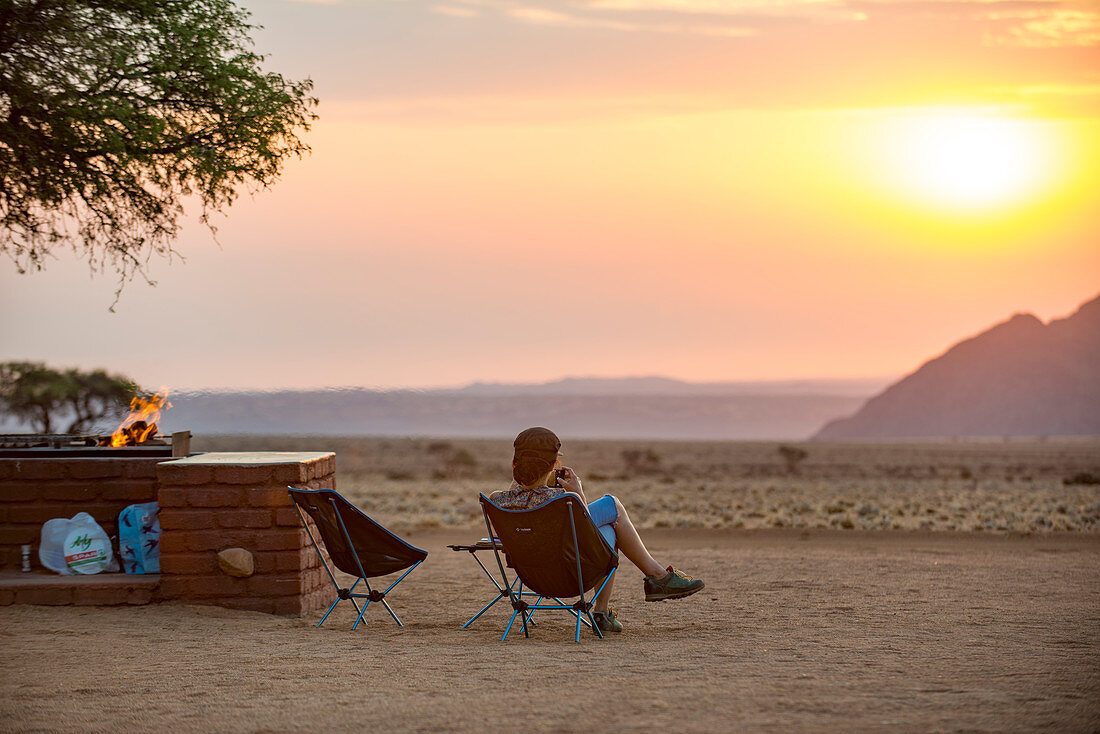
(1019, 378)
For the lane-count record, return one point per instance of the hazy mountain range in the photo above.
(1019, 378)
(643, 407)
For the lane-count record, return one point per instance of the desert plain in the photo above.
(949, 586)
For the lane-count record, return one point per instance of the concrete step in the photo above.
(104, 589)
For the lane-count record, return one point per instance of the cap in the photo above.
(539, 442)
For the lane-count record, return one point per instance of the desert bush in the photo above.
(792, 456)
(640, 462)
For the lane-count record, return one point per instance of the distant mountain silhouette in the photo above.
(851, 387)
(645, 407)
(1019, 378)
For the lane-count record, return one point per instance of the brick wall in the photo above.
(33, 491)
(211, 502)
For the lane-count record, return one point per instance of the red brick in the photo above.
(294, 560)
(42, 469)
(289, 606)
(45, 595)
(172, 497)
(99, 595)
(252, 604)
(7, 468)
(245, 518)
(7, 596)
(267, 497)
(20, 492)
(140, 468)
(172, 474)
(293, 473)
(274, 585)
(215, 497)
(218, 540)
(283, 561)
(140, 595)
(263, 563)
(174, 542)
(39, 512)
(281, 539)
(173, 519)
(287, 517)
(256, 474)
(200, 587)
(22, 534)
(66, 491)
(129, 491)
(189, 563)
(96, 468)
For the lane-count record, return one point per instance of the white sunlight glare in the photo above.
(965, 161)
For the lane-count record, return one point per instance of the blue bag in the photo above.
(139, 538)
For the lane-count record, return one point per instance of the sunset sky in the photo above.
(514, 190)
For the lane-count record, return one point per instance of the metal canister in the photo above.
(26, 559)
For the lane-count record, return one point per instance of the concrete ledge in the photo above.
(105, 589)
(252, 467)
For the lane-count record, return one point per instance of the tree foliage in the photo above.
(44, 397)
(112, 112)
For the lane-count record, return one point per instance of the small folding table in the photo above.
(484, 544)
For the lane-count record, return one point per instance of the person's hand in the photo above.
(572, 483)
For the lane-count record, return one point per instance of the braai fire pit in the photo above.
(66, 446)
(135, 437)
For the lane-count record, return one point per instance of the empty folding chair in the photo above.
(357, 545)
(555, 551)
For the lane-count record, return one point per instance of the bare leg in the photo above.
(630, 543)
(601, 601)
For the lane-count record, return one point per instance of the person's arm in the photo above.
(572, 483)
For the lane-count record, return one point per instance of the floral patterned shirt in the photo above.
(518, 497)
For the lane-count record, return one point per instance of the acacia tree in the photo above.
(113, 111)
(41, 396)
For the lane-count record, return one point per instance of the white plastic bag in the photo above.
(78, 545)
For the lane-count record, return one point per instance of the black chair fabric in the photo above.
(538, 543)
(380, 551)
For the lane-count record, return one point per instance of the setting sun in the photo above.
(968, 161)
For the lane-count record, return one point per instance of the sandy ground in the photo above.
(803, 630)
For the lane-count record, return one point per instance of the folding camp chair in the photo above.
(555, 551)
(357, 545)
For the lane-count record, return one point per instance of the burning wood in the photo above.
(141, 424)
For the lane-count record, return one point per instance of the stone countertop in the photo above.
(251, 458)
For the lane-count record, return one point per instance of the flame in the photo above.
(141, 424)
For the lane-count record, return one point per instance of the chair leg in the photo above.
(594, 625)
(484, 609)
(395, 619)
(329, 611)
(361, 612)
(509, 627)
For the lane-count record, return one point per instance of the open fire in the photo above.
(135, 437)
(141, 425)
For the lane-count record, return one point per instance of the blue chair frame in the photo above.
(385, 553)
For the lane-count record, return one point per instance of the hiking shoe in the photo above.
(673, 585)
(606, 621)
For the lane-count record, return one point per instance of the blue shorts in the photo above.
(604, 515)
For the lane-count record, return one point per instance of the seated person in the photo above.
(536, 475)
